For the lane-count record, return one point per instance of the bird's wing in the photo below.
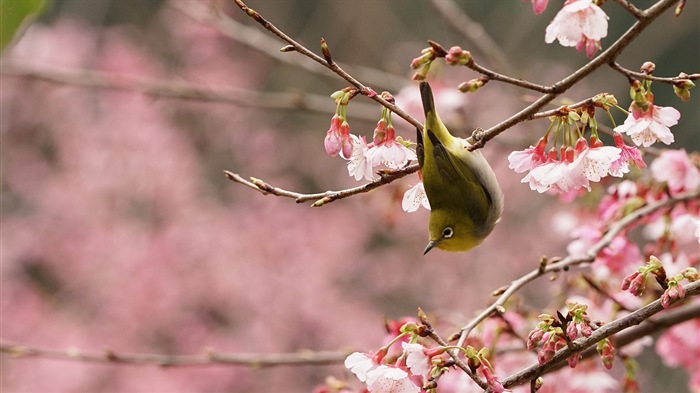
(456, 170)
(420, 151)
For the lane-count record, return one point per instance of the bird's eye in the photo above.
(447, 233)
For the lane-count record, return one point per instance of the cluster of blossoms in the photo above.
(416, 367)
(575, 163)
(673, 288)
(385, 149)
(554, 332)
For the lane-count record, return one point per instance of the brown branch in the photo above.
(631, 8)
(208, 357)
(323, 198)
(605, 331)
(569, 261)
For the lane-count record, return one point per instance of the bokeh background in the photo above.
(119, 229)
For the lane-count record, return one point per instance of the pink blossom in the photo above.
(389, 379)
(358, 166)
(525, 160)
(679, 346)
(628, 155)
(675, 168)
(416, 359)
(580, 23)
(361, 364)
(388, 151)
(592, 163)
(415, 197)
(645, 127)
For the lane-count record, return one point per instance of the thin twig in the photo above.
(207, 357)
(571, 260)
(631, 8)
(322, 198)
(638, 75)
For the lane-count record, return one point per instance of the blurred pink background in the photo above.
(119, 229)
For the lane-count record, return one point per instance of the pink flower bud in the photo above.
(665, 299)
(534, 337)
(380, 132)
(637, 285)
(628, 281)
(457, 56)
(332, 142)
(586, 330)
(573, 360)
(607, 353)
(581, 145)
(572, 331)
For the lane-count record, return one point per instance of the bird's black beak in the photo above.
(430, 246)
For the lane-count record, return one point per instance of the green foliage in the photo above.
(15, 16)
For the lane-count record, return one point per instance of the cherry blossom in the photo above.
(592, 164)
(528, 159)
(646, 126)
(580, 23)
(388, 151)
(389, 379)
(416, 359)
(680, 347)
(358, 166)
(675, 168)
(415, 197)
(628, 154)
(361, 364)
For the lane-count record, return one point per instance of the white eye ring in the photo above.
(447, 233)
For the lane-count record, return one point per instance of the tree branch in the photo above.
(605, 331)
(208, 357)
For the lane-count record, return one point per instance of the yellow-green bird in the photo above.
(465, 199)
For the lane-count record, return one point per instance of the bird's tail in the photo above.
(426, 95)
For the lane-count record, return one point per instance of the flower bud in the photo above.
(682, 89)
(458, 56)
(648, 68)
